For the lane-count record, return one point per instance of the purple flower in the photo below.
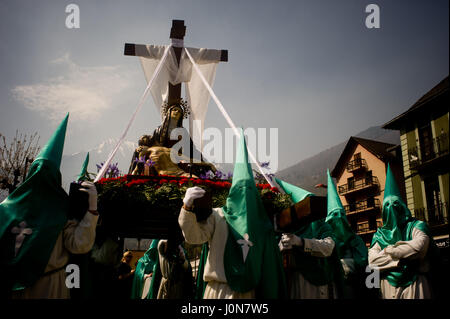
(149, 163)
(265, 164)
(209, 174)
(99, 167)
(111, 171)
(219, 174)
(139, 160)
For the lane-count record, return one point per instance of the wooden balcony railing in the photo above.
(434, 215)
(356, 164)
(358, 184)
(437, 147)
(363, 205)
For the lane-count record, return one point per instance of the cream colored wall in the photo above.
(374, 164)
(440, 124)
(405, 141)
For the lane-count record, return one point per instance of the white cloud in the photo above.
(85, 92)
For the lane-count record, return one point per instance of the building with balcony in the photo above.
(360, 174)
(424, 130)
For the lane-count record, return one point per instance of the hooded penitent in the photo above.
(252, 259)
(146, 264)
(345, 238)
(77, 211)
(297, 194)
(84, 173)
(398, 225)
(32, 216)
(318, 271)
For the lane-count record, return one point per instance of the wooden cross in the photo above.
(245, 245)
(177, 31)
(21, 231)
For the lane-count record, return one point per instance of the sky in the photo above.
(311, 69)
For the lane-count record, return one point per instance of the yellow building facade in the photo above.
(424, 131)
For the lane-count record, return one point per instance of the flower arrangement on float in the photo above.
(133, 200)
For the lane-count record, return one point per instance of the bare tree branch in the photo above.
(15, 158)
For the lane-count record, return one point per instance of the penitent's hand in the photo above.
(192, 193)
(289, 240)
(89, 188)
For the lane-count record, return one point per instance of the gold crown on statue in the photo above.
(181, 103)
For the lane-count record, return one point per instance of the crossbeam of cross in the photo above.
(177, 33)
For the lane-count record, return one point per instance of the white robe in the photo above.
(301, 288)
(213, 230)
(168, 289)
(389, 258)
(76, 238)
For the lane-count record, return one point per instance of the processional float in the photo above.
(151, 211)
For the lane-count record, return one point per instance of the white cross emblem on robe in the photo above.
(245, 245)
(21, 231)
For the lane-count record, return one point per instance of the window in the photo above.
(363, 227)
(433, 196)
(357, 159)
(352, 206)
(369, 177)
(351, 182)
(370, 202)
(426, 142)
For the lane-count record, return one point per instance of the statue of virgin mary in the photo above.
(155, 148)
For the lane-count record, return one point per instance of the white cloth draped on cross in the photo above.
(161, 67)
(196, 93)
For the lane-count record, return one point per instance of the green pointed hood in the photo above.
(259, 265)
(346, 239)
(243, 195)
(398, 225)
(334, 204)
(145, 265)
(391, 188)
(38, 209)
(395, 212)
(297, 194)
(53, 150)
(83, 173)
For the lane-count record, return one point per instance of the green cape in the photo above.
(156, 279)
(146, 265)
(398, 225)
(200, 285)
(345, 238)
(42, 204)
(247, 219)
(318, 271)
